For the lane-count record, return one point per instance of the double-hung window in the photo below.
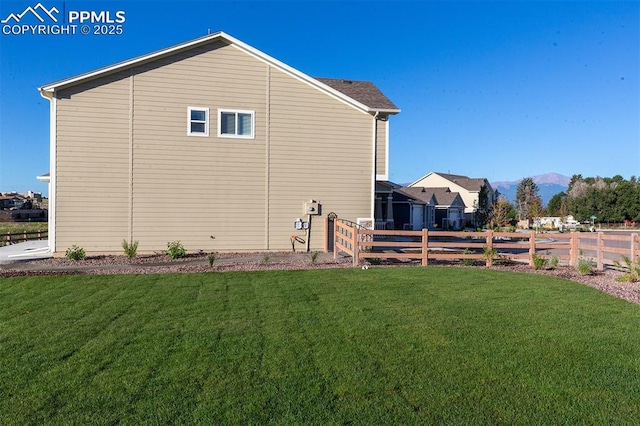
(198, 121)
(236, 123)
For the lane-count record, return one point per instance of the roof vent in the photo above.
(424, 189)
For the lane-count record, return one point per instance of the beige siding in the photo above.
(381, 147)
(92, 181)
(126, 165)
(191, 188)
(434, 180)
(319, 149)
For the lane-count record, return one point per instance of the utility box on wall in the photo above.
(311, 207)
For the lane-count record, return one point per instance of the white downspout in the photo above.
(51, 218)
(375, 166)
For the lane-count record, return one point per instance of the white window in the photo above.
(235, 123)
(198, 121)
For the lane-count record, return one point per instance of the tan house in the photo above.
(470, 190)
(258, 150)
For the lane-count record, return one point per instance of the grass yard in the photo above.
(397, 346)
(18, 227)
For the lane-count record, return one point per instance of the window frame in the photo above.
(190, 121)
(236, 112)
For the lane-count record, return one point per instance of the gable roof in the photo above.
(362, 91)
(443, 196)
(470, 184)
(364, 98)
(420, 194)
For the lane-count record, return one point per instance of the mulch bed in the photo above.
(158, 263)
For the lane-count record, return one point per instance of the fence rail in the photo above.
(19, 237)
(601, 248)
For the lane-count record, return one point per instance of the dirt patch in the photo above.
(153, 264)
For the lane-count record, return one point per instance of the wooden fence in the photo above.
(488, 246)
(19, 237)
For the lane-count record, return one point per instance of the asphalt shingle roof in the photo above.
(444, 197)
(470, 184)
(364, 92)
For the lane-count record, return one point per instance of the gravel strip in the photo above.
(154, 264)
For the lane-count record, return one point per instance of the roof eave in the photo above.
(385, 111)
(60, 84)
(49, 89)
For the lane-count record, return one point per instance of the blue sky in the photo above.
(502, 90)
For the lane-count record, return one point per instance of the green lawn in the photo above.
(396, 346)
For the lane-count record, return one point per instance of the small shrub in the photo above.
(374, 260)
(130, 249)
(584, 266)
(314, 257)
(175, 250)
(75, 253)
(539, 261)
(212, 258)
(468, 262)
(490, 254)
(266, 259)
(633, 275)
(554, 262)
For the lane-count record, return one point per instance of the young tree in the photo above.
(528, 202)
(483, 207)
(501, 212)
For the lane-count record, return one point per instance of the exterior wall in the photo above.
(193, 188)
(124, 140)
(434, 180)
(92, 165)
(321, 149)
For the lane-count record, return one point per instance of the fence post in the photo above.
(600, 252)
(8, 238)
(489, 253)
(355, 247)
(532, 246)
(24, 236)
(335, 239)
(326, 234)
(574, 249)
(633, 253)
(425, 246)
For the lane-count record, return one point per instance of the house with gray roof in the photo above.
(448, 206)
(469, 189)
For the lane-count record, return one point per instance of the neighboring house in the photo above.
(414, 208)
(551, 222)
(449, 207)
(383, 212)
(248, 140)
(468, 188)
(12, 200)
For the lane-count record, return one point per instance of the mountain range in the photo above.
(549, 184)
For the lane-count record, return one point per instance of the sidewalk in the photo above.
(28, 250)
